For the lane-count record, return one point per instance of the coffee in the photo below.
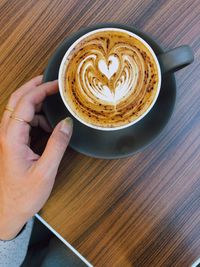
(111, 79)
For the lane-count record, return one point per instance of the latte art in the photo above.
(111, 79)
(111, 68)
(113, 90)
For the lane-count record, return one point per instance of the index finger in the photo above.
(25, 110)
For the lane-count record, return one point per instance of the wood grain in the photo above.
(140, 211)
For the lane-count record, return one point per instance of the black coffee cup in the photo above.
(167, 62)
(124, 142)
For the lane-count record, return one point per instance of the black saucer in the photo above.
(111, 144)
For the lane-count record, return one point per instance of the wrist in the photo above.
(10, 228)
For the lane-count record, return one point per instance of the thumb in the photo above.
(56, 146)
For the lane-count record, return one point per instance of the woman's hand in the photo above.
(26, 179)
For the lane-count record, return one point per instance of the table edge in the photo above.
(63, 240)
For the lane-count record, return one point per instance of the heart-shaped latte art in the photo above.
(112, 89)
(109, 69)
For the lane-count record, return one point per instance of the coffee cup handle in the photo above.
(176, 59)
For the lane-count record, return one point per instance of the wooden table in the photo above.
(139, 211)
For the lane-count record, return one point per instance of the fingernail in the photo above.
(66, 126)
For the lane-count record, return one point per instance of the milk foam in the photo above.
(109, 69)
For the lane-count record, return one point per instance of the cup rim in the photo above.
(62, 69)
